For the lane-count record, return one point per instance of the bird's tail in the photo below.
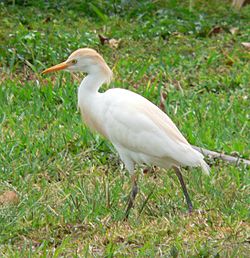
(205, 167)
(200, 162)
(193, 158)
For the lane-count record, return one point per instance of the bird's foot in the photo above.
(190, 208)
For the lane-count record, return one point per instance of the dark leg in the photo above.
(132, 195)
(184, 189)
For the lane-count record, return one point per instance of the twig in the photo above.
(217, 155)
(239, 3)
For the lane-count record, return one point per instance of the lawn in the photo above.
(72, 188)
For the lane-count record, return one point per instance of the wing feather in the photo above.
(135, 123)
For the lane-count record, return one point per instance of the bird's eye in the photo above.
(74, 61)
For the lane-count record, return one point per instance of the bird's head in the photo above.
(84, 60)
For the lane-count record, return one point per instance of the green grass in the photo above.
(71, 184)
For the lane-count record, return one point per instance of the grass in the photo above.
(71, 185)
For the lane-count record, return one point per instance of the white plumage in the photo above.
(142, 133)
(139, 130)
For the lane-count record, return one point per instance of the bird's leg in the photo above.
(132, 195)
(184, 189)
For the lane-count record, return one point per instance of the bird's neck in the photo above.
(98, 74)
(89, 101)
(91, 84)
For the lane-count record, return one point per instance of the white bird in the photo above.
(138, 129)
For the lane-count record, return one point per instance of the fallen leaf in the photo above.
(150, 170)
(215, 30)
(163, 96)
(9, 197)
(103, 39)
(234, 30)
(113, 43)
(229, 62)
(246, 45)
(47, 19)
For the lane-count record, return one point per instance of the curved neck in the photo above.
(91, 83)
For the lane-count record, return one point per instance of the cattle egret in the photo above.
(138, 130)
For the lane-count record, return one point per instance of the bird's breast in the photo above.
(92, 120)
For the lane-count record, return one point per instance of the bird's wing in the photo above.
(138, 125)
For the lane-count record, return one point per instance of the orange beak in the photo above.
(55, 68)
